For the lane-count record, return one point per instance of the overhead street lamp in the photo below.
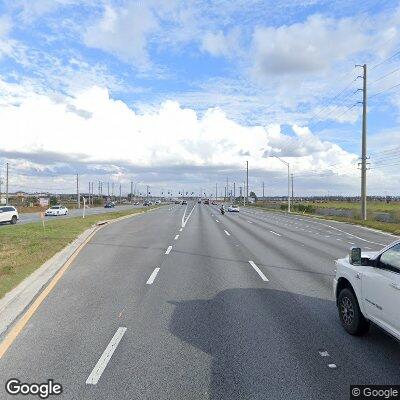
(288, 180)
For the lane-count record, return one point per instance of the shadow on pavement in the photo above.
(265, 344)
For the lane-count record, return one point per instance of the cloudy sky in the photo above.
(179, 94)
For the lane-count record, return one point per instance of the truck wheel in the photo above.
(350, 314)
(13, 220)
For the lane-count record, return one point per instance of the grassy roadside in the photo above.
(382, 226)
(25, 247)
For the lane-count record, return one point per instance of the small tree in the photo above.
(253, 195)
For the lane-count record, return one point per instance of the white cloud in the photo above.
(107, 129)
(124, 32)
(221, 44)
(307, 47)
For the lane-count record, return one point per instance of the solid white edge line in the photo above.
(176, 237)
(277, 234)
(168, 250)
(227, 232)
(152, 276)
(101, 365)
(259, 272)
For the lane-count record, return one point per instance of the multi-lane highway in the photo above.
(168, 305)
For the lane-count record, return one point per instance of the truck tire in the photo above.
(350, 314)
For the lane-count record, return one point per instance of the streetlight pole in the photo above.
(247, 182)
(288, 180)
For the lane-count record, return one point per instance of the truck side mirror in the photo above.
(355, 256)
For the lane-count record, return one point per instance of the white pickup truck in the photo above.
(367, 289)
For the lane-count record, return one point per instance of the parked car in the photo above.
(184, 202)
(214, 203)
(56, 210)
(109, 205)
(199, 201)
(233, 208)
(367, 289)
(9, 214)
(206, 201)
(177, 202)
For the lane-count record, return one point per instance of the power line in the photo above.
(384, 76)
(386, 59)
(383, 91)
(331, 101)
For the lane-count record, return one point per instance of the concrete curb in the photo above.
(18, 299)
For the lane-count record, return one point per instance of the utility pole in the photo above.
(78, 197)
(120, 194)
(263, 193)
(234, 191)
(363, 198)
(131, 192)
(247, 181)
(288, 180)
(108, 189)
(7, 183)
(216, 192)
(89, 195)
(244, 192)
(147, 195)
(227, 187)
(291, 175)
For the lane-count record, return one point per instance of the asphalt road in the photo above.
(25, 218)
(207, 324)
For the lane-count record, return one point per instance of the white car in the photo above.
(233, 208)
(9, 214)
(56, 210)
(367, 289)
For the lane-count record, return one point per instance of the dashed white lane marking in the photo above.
(152, 276)
(227, 232)
(168, 250)
(249, 222)
(180, 230)
(323, 353)
(366, 247)
(351, 243)
(259, 272)
(176, 237)
(275, 233)
(332, 366)
(105, 357)
(216, 220)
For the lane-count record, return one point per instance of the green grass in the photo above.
(25, 247)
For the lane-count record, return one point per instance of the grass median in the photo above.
(25, 247)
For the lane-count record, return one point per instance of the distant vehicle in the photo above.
(9, 214)
(367, 289)
(177, 202)
(206, 201)
(158, 202)
(233, 208)
(214, 203)
(199, 201)
(147, 203)
(56, 210)
(184, 202)
(109, 205)
(136, 203)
